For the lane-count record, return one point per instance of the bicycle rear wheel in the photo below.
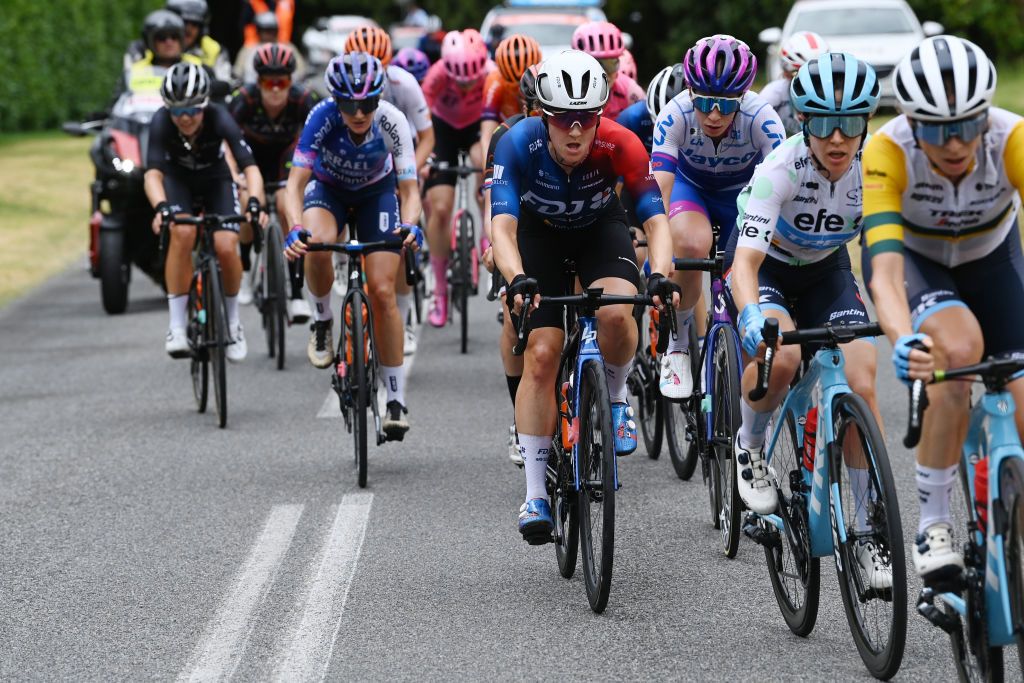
(564, 510)
(725, 422)
(681, 418)
(277, 298)
(596, 454)
(795, 574)
(465, 276)
(1011, 497)
(353, 352)
(200, 359)
(877, 615)
(217, 338)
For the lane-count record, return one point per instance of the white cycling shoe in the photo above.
(409, 347)
(675, 382)
(935, 557)
(755, 480)
(875, 565)
(320, 349)
(513, 447)
(176, 343)
(237, 350)
(245, 289)
(298, 310)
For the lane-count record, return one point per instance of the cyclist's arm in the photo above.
(487, 128)
(506, 246)
(409, 200)
(767, 129)
(298, 177)
(153, 182)
(241, 152)
(884, 182)
(745, 265)
(424, 145)
(505, 193)
(634, 166)
(156, 154)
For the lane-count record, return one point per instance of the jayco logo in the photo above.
(714, 162)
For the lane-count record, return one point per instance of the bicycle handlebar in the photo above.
(710, 265)
(770, 335)
(356, 247)
(458, 169)
(832, 334)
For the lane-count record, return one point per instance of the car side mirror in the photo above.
(770, 35)
(932, 28)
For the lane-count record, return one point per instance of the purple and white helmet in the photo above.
(720, 65)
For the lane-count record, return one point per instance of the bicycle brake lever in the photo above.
(770, 335)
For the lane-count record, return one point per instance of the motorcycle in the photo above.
(121, 216)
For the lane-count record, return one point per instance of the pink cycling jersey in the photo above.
(454, 104)
(625, 91)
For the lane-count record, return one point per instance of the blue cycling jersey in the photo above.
(326, 146)
(525, 175)
(636, 118)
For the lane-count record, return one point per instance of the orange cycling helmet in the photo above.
(515, 54)
(371, 39)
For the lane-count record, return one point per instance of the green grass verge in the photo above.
(44, 207)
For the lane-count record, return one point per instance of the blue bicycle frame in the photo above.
(720, 318)
(588, 351)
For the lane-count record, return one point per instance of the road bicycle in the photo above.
(271, 279)
(582, 472)
(207, 313)
(982, 609)
(356, 376)
(823, 510)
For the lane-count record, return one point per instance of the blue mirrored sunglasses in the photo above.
(185, 111)
(940, 133)
(824, 126)
(727, 105)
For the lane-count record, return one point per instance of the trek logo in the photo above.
(664, 124)
(809, 222)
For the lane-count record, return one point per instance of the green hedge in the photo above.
(60, 58)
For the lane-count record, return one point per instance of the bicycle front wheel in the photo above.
(681, 419)
(1011, 497)
(795, 574)
(200, 360)
(465, 276)
(277, 298)
(354, 353)
(870, 564)
(596, 455)
(725, 422)
(217, 338)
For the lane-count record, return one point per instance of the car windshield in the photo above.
(545, 34)
(854, 21)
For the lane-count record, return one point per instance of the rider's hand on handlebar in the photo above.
(162, 217)
(295, 242)
(520, 290)
(662, 290)
(413, 240)
(910, 361)
(256, 213)
(751, 324)
(488, 258)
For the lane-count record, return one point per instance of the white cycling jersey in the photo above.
(793, 213)
(402, 90)
(680, 145)
(776, 94)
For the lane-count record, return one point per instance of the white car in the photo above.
(881, 32)
(326, 39)
(550, 22)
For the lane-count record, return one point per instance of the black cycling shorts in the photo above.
(448, 142)
(991, 288)
(602, 249)
(215, 193)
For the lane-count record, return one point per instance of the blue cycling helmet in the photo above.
(414, 61)
(354, 76)
(813, 91)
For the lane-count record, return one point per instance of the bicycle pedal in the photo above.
(927, 609)
(755, 531)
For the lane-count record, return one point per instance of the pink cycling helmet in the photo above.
(627, 65)
(599, 39)
(720, 65)
(464, 55)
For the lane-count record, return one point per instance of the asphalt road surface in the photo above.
(139, 541)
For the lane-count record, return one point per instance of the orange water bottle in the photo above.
(981, 492)
(810, 437)
(563, 410)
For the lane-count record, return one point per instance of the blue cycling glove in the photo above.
(296, 234)
(751, 323)
(901, 355)
(414, 230)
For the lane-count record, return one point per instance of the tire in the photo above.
(465, 276)
(564, 511)
(115, 272)
(877, 618)
(681, 418)
(217, 337)
(794, 573)
(357, 379)
(200, 360)
(277, 297)
(647, 406)
(725, 422)
(596, 498)
(1011, 492)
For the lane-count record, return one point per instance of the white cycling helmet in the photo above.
(572, 81)
(665, 85)
(800, 48)
(922, 78)
(186, 85)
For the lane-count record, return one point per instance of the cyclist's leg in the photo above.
(440, 191)
(221, 197)
(178, 265)
(476, 158)
(323, 211)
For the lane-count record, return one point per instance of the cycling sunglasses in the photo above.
(565, 120)
(705, 104)
(824, 126)
(940, 133)
(609, 64)
(185, 111)
(161, 37)
(275, 82)
(350, 107)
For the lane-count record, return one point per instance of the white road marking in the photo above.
(307, 653)
(222, 645)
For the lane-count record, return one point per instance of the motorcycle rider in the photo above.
(195, 41)
(162, 45)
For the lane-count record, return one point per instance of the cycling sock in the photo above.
(404, 306)
(860, 481)
(394, 382)
(295, 275)
(178, 303)
(231, 303)
(440, 266)
(534, 450)
(245, 250)
(751, 434)
(681, 342)
(934, 487)
(616, 376)
(513, 386)
(322, 306)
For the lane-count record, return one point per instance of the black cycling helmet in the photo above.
(194, 11)
(528, 88)
(162, 22)
(274, 59)
(266, 21)
(186, 85)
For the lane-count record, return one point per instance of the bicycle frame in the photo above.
(719, 318)
(826, 377)
(992, 433)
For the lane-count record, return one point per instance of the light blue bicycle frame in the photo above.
(827, 370)
(588, 351)
(992, 432)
